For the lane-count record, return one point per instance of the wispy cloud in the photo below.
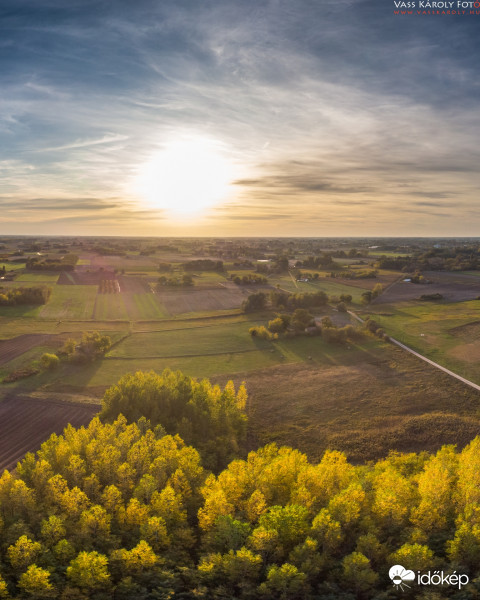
(336, 113)
(106, 139)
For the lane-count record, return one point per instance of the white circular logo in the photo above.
(399, 576)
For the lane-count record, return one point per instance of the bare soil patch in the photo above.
(468, 353)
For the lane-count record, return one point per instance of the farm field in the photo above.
(208, 278)
(11, 348)
(365, 397)
(365, 403)
(327, 285)
(69, 302)
(144, 307)
(447, 333)
(190, 301)
(452, 286)
(110, 307)
(192, 341)
(10, 266)
(37, 278)
(27, 423)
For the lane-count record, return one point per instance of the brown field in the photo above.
(388, 401)
(133, 285)
(27, 423)
(10, 349)
(453, 287)
(385, 279)
(186, 301)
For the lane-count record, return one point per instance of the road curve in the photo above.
(424, 358)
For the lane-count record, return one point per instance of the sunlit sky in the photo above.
(237, 117)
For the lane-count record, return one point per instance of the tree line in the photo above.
(65, 263)
(24, 295)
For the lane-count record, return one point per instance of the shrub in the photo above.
(49, 361)
(277, 325)
(263, 333)
(371, 325)
(366, 297)
(20, 374)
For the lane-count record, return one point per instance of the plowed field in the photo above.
(25, 424)
(16, 346)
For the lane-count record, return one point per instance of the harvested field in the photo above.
(387, 401)
(186, 301)
(10, 349)
(27, 423)
(452, 286)
(133, 285)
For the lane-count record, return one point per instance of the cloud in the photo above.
(89, 92)
(106, 139)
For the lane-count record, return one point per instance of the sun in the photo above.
(187, 176)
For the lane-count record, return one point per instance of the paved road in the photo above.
(424, 358)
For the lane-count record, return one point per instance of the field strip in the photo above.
(427, 360)
(206, 326)
(183, 355)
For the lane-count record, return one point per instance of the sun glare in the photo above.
(186, 177)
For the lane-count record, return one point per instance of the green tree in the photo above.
(23, 552)
(285, 583)
(89, 571)
(49, 361)
(35, 582)
(357, 573)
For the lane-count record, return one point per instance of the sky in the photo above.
(238, 118)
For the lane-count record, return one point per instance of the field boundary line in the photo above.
(424, 358)
(184, 355)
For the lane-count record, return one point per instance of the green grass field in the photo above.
(37, 278)
(206, 278)
(447, 333)
(70, 302)
(12, 266)
(327, 285)
(210, 339)
(146, 307)
(110, 307)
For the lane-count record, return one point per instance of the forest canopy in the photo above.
(121, 510)
(211, 419)
(124, 509)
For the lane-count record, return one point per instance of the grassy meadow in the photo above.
(447, 333)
